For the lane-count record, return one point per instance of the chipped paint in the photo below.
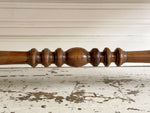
(76, 97)
(73, 90)
(133, 92)
(36, 96)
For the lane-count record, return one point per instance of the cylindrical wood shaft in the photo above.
(75, 57)
(138, 56)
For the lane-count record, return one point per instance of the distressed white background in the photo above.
(25, 24)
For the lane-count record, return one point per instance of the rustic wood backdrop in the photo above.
(75, 23)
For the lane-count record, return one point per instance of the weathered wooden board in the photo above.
(68, 23)
(76, 90)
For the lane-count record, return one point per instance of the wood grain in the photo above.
(75, 57)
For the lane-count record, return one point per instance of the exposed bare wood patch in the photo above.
(43, 106)
(136, 109)
(107, 81)
(76, 97)
(133, 92)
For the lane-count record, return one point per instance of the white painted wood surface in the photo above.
(28, 24)
(70, 23)
(75, 90)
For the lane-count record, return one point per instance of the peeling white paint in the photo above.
(82, 90)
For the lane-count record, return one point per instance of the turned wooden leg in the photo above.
(75, 57)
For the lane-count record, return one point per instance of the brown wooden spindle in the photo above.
(75, 57)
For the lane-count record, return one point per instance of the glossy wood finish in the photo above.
(75, 57)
